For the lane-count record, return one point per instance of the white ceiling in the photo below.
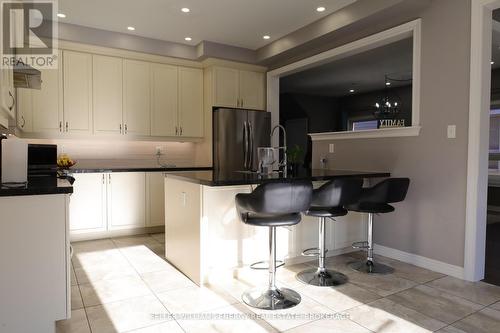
(234, 22)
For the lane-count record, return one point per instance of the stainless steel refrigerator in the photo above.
(237, 134)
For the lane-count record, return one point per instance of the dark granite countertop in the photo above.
(136, 169)
(210, 178)
(39, 186)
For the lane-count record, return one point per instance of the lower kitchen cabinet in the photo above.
(107, 202)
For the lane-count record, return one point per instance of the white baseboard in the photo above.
(424, 262)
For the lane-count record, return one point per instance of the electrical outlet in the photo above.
(158, 150)
(452, 131)
(331, 148)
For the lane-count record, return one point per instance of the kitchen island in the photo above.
(205, 238)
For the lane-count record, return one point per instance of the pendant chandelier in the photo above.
(389, 106)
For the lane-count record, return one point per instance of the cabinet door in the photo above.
(164, 97)
(191, 102)
(8, 96)
(252, 90)
(77, 92)
(136, 97)
(126, 200)
(24, 109)
(225, 86)
(155, 202)
(87, 208)
(47, 102)
(107, 94)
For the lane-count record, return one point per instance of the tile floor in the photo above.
(126, 285)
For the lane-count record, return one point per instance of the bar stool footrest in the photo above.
(312, 252)
(360, 245)
(264, 264)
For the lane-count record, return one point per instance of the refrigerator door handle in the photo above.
(250, 151)
(245, 145)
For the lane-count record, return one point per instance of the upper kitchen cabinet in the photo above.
(136, 97)
(191, 119)
(164, 100)
(107, 96)
(41, 111)
(7, 94)
(77, 92)
(238, 88)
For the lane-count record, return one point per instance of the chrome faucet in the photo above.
(283, 163)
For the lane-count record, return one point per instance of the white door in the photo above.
(252, 90)
(155, 202)
(126, 200)
(87, 208)
(77, 92)
(191, 102)
(107, 94)
(164, 97)
(226, 87)
(48, 102)
(136, 97)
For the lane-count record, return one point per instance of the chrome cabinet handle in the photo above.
(181, 130)
(103, 178)
(126, 129)
(60, 126)
(120, 128)
(24, 121)
(67, 126)
(13, 101)
(241, 103)
(109, 179)
(176, 131)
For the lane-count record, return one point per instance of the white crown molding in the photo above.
(367, 134)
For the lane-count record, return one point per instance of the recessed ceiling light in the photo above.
(320, 9)
(266, 37)
(188, 39)
(387, 83)
(351, 90)
(131, 28)
(61, 15)
(185, 10)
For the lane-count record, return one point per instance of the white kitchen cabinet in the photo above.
(107, 96)
(77, 92)
(136, 97)
(88, 203)
(252, 90)
(155, 199)
(164, 100)
(7, 93)
(238, 88)
(126, 200)
(41, 110)
(190, 102)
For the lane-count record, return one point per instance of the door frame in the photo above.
(478, 138)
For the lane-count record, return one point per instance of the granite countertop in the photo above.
(211, 178)
(39, 186)
(134, 169)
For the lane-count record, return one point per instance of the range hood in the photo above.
(27, 77)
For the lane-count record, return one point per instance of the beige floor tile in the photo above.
(77, 324)
(76, 298)
(435, 303)
(383, 285)
(495, 306)
(338, 298)
(127, 315)
(409, 272)
(306, 311)
(388, 317)
(105, 271)
(168, 327)
(94, 245)
(477, 292)
(170, 279)
(130, 241)
(484, 321)
(450, 329)
(230, 319)
(195, 299)
(159, 237)
(144, 260)
(287, 274)
(74, 281)
(98, 257)
(107, 291)
(335, 325)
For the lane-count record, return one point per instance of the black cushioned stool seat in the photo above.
(273, 205)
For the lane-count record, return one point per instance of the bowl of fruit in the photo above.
(65, 162)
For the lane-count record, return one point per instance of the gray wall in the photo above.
(431, 222)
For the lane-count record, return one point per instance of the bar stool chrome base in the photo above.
(370, 267)
(271, 299)
(322, 278)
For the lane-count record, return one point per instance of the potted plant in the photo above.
(295, 156)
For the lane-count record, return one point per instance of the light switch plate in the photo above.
(331, 148)
(452, 131)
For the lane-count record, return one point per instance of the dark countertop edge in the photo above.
(104, 170)
(37, 190)
(212, 183)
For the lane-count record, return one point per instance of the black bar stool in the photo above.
(376, 200)
(328, 202)
(273, 205)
